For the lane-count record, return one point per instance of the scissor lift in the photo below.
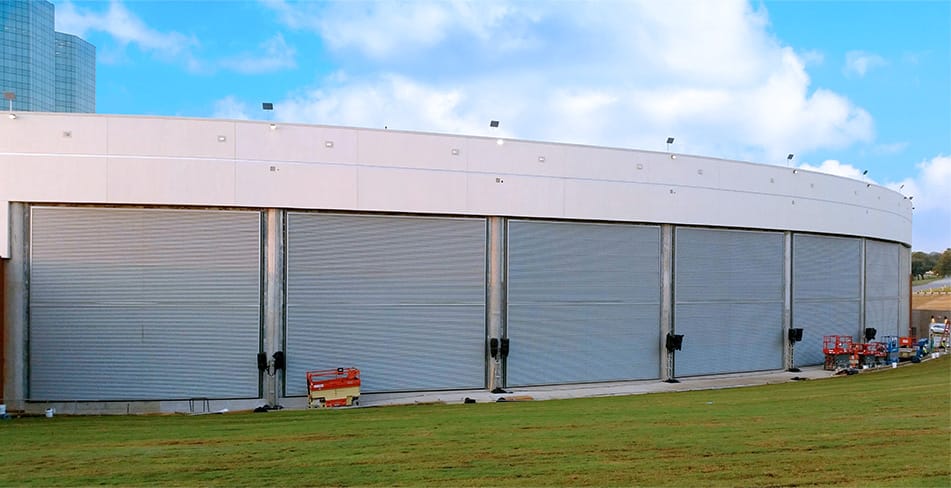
(837, 350)
(333, 388)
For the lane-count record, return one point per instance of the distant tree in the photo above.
(922, 262)
(943, 265)
(919, 263)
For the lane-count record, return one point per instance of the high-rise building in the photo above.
(45, 70)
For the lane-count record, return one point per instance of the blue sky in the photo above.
(846, 86)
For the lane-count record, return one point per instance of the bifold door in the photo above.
(826, 292)
(400, 298)
(143, 304)
(728, 300)
(583, 302)
(882, 287)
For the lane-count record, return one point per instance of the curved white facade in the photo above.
(495, 202)
(171, 161)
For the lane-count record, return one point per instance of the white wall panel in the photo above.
(49, 178)
(407, 190)
(185, 182)
(500, 195)
(296, 185)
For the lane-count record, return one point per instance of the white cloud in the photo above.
(124, 26)
(386, 29)
(932, 214)
(708, 73)
(834, 167)
(275, 55)
(858, 63)
(231, 108)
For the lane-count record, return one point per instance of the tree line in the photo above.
(937, 262)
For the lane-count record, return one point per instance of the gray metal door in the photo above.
(583, 302)
(400, 298)
(134, 304)
(826, 291)
(728, 300)
(882, 287)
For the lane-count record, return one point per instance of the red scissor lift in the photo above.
(873, 353)
(838, 350)
(333, 387)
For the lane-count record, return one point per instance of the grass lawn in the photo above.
(886, 428)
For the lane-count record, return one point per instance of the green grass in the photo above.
(887, 428)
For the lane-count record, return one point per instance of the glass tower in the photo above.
(47, 71)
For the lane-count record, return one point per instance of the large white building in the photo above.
(150, 262)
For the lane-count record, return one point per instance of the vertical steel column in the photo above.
(495, 297)
(788, 359)
(862, 265)
(273, 310)
(666, 298)
(16, 272)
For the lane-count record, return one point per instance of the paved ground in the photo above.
(599, 389)
(934, 284)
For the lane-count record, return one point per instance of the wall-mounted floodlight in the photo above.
(12, 116)
(864, 172)
(494, 123)
(10, 97)
(267, 106)
(789, 159)
(670, 140)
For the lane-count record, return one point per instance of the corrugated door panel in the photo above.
(728, 300)
(130, 304)
(904, 291)
(583, 302)
(882, 286)
(401, 298)
(826, 291)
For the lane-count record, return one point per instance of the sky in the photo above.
(846, 86)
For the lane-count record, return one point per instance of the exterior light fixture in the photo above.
(273, 126)
(12, 116)
(500, 141)
(328, 144)
(455, 152)
(267, 106)
(222, 138)
(864, 172)
(789, 159)
(670, 140)
(494, 123)
(795, 171)
(541, 159)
